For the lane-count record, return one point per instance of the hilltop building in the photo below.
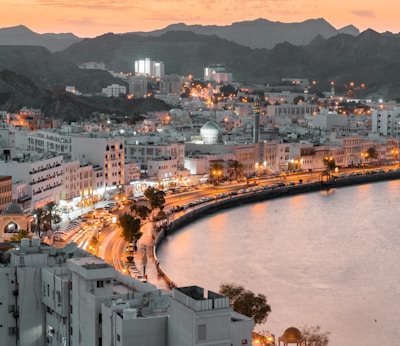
(114, 90)
(217, 73)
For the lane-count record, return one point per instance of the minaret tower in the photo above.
(256, 117)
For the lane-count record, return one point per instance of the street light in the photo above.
(395, 153)
(365, 156)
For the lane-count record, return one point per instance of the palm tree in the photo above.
(43, 219)
(235, 169)
(22, 233)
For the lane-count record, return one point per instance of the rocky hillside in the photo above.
(17, 91)
(369, 58)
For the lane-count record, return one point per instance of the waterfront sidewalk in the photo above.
(145, 258)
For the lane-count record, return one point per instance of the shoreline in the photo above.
(259, 196)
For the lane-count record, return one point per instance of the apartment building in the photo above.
(146, 149)
(170, 84)
(105, 151)
(43, 174)
(65, 296)
(114, 90)
(386, 121)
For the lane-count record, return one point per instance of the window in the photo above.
(244, 341)
(201, 331)
(12, 330)
(100, 318)
(118, 338)
(100, 283)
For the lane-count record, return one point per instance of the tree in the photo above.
(130, 227)
(329, 162)
(155, 197)
(22, 233)
(43, 218)
(228, 89)
(235, 169)
(246, 302)
(140, 211)
(314, 336)
(372, 153)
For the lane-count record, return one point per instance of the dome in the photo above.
(13, 208)
(210, 128)
(291, 335)
(210, 132)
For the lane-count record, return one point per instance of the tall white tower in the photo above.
(256, 118)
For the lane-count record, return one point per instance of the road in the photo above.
(111, 246)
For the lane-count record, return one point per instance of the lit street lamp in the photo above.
(395, 152)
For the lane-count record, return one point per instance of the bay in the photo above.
(328, 258)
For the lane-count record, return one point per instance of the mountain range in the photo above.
(259, 33)
(343, 56)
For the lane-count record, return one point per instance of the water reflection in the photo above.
(327, 258)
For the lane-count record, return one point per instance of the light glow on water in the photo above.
(328, 258)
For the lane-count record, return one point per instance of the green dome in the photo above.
(13, 208)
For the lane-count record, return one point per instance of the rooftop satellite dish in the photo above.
(70, 248)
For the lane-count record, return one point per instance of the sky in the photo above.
(92, 18)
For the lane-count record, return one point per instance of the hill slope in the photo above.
(17, 91)
(369, 58)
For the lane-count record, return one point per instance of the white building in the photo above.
(106, 152)
(64, 296)
(142, 151)
(326, 120)
(217, 73)
(286, 109)
(197, 319)
(162, 170)
(43, 174)
(114, 90)
(386, 121)
(149, 68)
(54, 141)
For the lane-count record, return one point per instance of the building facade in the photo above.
(65, 296)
